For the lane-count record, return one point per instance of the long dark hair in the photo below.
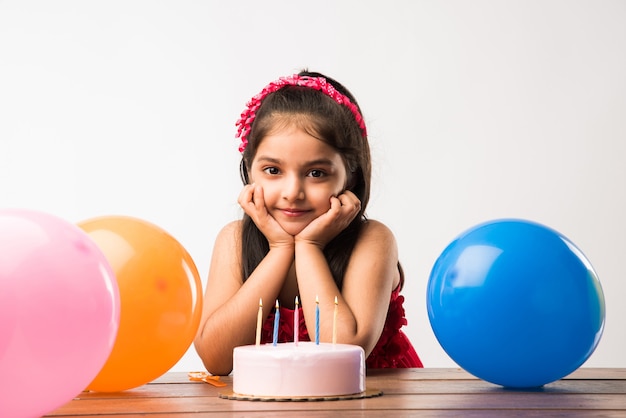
(320, 116)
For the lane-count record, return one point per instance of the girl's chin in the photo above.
(293, 228)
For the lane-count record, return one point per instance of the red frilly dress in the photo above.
(393, 350)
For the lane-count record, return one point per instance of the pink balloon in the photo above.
(59, 312)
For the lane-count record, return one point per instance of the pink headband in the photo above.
(318, 83)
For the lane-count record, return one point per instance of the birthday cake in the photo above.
(305, 369)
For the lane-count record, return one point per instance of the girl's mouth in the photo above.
(294, 212)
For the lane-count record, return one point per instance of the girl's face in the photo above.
(298, 174)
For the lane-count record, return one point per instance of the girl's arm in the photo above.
(230, 306)
(370, 277)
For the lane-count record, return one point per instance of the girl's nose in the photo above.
(293, 189)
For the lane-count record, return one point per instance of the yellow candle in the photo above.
(259, 321)
(335, 322)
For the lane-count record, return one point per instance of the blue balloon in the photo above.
(515, 303)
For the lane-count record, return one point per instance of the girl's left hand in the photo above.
(343, 209)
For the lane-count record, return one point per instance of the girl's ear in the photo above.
(351, 181)
(243, 172)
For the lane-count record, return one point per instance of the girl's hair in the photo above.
(321, 117)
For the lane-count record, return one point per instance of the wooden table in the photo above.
(406, 392)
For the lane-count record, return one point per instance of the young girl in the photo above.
(306, 171)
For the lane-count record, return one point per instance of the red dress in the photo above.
(393, 349)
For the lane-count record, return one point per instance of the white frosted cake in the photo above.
(288, 370)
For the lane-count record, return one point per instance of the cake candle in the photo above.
(276, 322)
(259, 320)
(317, 320)
(296, 323)
(335, 322)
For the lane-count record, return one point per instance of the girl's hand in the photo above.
(252, 201)
(343, 209)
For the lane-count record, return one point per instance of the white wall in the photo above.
(476, 110)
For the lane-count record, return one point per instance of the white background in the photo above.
(477, 110)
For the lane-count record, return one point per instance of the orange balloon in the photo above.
(160, 298)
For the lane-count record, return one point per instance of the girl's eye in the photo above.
(271, 170)
(316, 173)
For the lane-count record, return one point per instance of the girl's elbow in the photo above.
(212, 363)
(218, 370)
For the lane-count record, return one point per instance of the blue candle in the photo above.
(317, 320)
(276, 321)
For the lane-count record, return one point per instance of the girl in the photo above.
(306, 171)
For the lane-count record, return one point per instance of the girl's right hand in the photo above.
(252, 202)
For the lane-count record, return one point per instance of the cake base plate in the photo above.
(368, 393)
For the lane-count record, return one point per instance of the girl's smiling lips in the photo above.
(294, 212)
